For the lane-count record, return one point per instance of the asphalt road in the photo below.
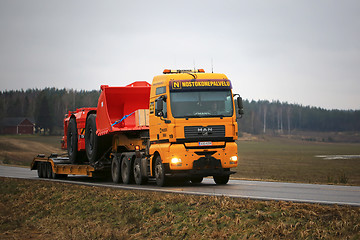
(296, 192)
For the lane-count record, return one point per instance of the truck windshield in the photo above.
(201, 104)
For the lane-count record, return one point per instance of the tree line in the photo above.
(48, 106)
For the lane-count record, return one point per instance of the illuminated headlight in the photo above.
(233, 160)
(175, 160)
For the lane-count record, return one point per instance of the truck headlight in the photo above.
(175, 160)
(233, 160)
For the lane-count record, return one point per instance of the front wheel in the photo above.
(160, 172)
(221, 180)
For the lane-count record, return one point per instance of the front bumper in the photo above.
(206, 165)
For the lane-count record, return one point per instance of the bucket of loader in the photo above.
(123, 108)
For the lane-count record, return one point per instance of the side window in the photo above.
(152, 108)
(160, 90)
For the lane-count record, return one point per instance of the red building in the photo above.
(17, 126)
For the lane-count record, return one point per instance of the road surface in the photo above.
(296, 192)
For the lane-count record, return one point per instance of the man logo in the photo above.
(204, 131)
(176, 85)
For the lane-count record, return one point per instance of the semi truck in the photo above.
(182, 126)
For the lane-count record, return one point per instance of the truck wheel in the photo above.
(126, 170)
(115, 170)
(139, 178)
(43, 169)
(39, 170)
(72, 142)
(95, 146)
(160, 172)
(49, 171)
(220, 180)
(196, 179)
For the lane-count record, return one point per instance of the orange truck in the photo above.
(183, 126)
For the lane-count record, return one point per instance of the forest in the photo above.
(48, 106)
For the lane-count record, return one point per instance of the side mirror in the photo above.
(240, 106)
(159, 107)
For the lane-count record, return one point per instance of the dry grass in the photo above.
(20, 150)
(33, 209)
(287, 159)
(261, 157)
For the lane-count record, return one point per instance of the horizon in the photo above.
(249, 100)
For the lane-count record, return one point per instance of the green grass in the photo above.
(283, 159)
(49, 210)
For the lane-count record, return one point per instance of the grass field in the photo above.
(294, 160)
(34, 209)
(263, 158)
(20, 150)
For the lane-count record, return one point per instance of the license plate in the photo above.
(205, 143)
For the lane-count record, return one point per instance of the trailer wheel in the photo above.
(196, 180)
(160, 172)
(139, 178)
(221, 180)
(39, 170)
(116, 170)
(126, 170)
(49, 171)
(43, 169)
(72, 143)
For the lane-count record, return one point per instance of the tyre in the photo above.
(72, 142)
(126, 170)
(220, 180)
(44, 169)
(116, 170)
(39, 170)
(196, 179)
(139, 178)
(49, 171)
(160, 172)
(95, 146)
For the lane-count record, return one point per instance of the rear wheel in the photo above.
(160, 172)
(221, 180)
(196, 179)
(126, 170)
(49, 170)
(43, 170)
(115, 170)
(39, 170)
(139, 178)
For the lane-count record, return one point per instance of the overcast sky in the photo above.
(305, 52)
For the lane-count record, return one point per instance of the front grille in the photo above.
(201, 132)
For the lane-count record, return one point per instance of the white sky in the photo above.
(305, 52)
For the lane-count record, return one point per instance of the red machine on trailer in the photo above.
(91, 135)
